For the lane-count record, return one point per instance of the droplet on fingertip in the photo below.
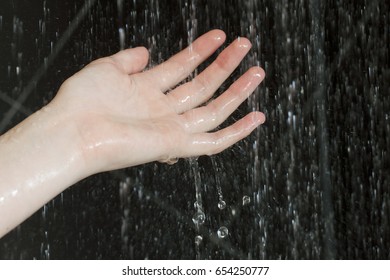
(243, 43)
(220, 36)
(170, 161)
(258, 72)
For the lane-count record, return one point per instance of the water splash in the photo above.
(246, 200)
(121, 29)
(217, 170)
(199, 218)
(223, 232)
(29, 88)
(278, 166)
(221, 204)
(198, 240)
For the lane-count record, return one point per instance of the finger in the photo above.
(202, 87)
(213, 143)
(213, 114)
(131, 60)
(177, 68)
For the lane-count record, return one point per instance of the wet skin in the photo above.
(112, 115)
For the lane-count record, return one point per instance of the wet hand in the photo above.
(125, 116)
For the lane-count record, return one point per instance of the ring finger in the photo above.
(202, 87)
(208, 117)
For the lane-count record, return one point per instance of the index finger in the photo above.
(169, 73)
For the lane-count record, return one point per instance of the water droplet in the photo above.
(199, 218)
(221, 204)
(246, 200)
(170, 161)
(222, 232)
(198, 239)
(122, 38)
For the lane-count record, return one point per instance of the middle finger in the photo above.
(202, 87)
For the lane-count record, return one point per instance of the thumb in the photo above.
(132, 60)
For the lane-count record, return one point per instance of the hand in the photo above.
(126, 117)
(111, 115)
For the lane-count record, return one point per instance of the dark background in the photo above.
(317, 172)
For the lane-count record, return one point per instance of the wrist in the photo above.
(57, 137)
(39, 159)
(45, 145)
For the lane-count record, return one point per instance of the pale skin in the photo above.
(112, 115)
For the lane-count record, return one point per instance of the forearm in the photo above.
(39, 159)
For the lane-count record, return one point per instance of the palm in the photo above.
(128, 118)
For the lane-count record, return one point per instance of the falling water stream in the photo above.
(311, 183)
